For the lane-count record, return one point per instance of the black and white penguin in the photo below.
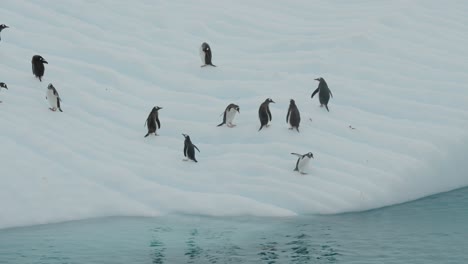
(324, 93)
(302, 161)
(293, 118)
(2, 27)
(38, 66)
(3, 85)
(206, 55)
(153, 121)
(264, 113)
(53, 98)
(229, 115)
(189, 149)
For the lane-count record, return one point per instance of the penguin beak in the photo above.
(44, 61)
(273, 101)
(7, 26)
(317, 79)
(184, 135)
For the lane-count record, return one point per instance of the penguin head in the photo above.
(319, 79)
(310, 155)
(39, 58)
(186, 137)
(268, 100)
(3, 26)
(156, 108)
(50, 87)
(3, 85)
(233, 106)
(292, 102)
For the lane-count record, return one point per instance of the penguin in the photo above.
(3, 85)
(189, 149)
(205, 55)
(293, 117)
(324, 93)
(153, 121)
(53, 98)
(229, 115)
(2, 27)
(302, 161)
(264, 113)
(38, 66)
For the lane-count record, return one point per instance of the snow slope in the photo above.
(397, 70)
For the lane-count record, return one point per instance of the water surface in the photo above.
(430, 230)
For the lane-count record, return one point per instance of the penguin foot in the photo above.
(290, 128)
(185, 160)
(231, 125)
(53, 109)
(267, 125)
(303, 173)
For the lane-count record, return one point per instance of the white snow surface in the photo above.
(397, 69)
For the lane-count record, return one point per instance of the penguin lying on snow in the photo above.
(3, 85)
(38, 66)
(229, 115)
(324, 93)
(53, 98)
(153, 121)
(205, 55)
(189, 149)
(2, 27)
(302, 161)
(293, 117)
(264, 113)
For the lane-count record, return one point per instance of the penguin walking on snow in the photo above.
(206, 55)
(2, 27)
(153, 121)
(53, 98)
(324, 93)
(264, 113)
(229, 115)
(38, 66)
(189, 149)
(3, 85)
(302, 161)
(293, 118)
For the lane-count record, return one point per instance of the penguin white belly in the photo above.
(202, 55)
(231, 113)
(52, 99)
(303, 163)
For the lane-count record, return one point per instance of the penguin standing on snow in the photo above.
(189, 149)
(38, 66)
(53, 98)
(293, 117)
(302, 161)
(324, 93)
(229, 115)
(264, 113)
(2, 27)
(205, 55)
(153, 121)
(3, 85)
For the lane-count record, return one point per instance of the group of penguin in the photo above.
(293, 117)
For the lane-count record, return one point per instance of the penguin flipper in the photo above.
(295, 154)
(221, 124)
(196, 148)
(330, 93)
(287, 116)
(314, 93)
(159, 124)
(260, 128)
(185, 150)
(326, 106)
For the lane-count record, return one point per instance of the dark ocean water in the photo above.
(430, 230)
